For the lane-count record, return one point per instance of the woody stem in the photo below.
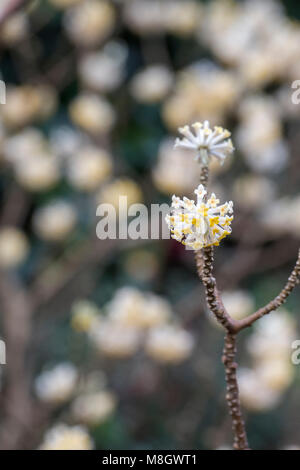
(204, 262)
(232, 395)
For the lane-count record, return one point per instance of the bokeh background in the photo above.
(109, 343)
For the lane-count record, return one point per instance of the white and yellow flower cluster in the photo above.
(64, 437)
(202, 224)
(206, 141)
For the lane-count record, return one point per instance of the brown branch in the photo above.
(15, 206)
(205, 267)
(204, 175)
(204, 263)
(232, 395)
(16, 399)
(280, 299)
(204, 181)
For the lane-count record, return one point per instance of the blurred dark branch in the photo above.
(15, 207)
(59, 274)
(17, 330)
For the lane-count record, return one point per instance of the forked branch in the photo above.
(280, 299)
(204, 261)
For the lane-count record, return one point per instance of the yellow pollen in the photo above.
(213, 221)
(202, 210)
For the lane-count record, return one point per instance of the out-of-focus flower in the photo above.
(65, 141)
(272, 159)
(92, 409)
(282, 216)
(272, 337)
(157, 16)
(92, 113)
(89, 167)
(38, 172)
(144, 17)
(277, 374)
(26, 103)
(111, 192)
(85, 314)
(169, 344)
(182, 18)
(254, 394)
(28, 143)
(57, 385)
(238, 35)
(152, 84)
(202, 224)
(253, 191)
(272, 371)
(90, 22)
(239, 303)
(130, 307)
(63, 437)
(115, 340)
(258, 68)
(202, 91)
(206, 142)
(55, 221)
(14, 29)
(103, 71)
(13, 247)
(126, 307)
(276, 216)
(259, 134)
(156, 311)
(171, 165)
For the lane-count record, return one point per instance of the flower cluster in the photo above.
(134, 319)
(263, 386)
(207, 142)
(56, 386)
(63, 437)
(202, 224)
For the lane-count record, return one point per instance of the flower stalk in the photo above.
(232, 395)
(205, 230)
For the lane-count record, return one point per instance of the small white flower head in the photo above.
(55, 386)
(206, 141)
(201, 224)
(64, 437)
